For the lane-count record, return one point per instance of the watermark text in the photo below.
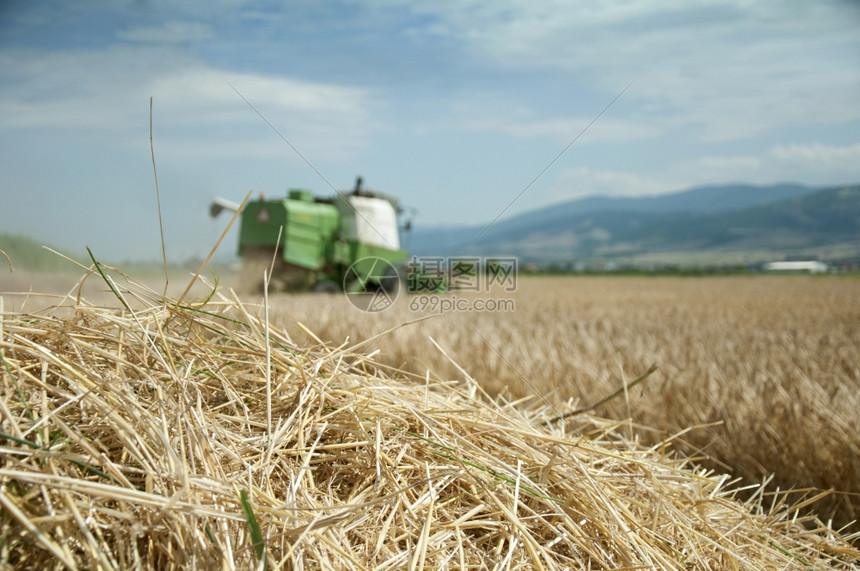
(436, 303)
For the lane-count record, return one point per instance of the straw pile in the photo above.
(195, 436)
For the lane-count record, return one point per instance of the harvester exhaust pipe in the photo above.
(220, 204)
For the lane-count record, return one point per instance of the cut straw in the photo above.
(135, 439)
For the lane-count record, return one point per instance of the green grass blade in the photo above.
(107, 281)
(17, 388)
(253, 526)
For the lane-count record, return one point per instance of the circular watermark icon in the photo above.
(371, 284)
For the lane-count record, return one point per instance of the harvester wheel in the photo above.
(255, 261)
(327, 286)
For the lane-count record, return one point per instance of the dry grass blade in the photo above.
(158, 202)
(772, 359)
(622, 391)
(8, 260)
(155, 438)
(214, 248)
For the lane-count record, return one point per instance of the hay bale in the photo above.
(195, 436)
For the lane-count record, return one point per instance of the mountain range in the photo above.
(708, 221)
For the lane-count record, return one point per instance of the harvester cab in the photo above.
(347, 242)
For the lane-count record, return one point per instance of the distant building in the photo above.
(811, 266)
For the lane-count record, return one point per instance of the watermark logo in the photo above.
(434, 274)
(371, 284)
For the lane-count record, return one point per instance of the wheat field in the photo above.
(141, 430)
(760, 373)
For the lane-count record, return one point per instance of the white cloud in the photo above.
(71, 89)
(477, 111)
(580, 182)
(813, 164)
(107, 93)
(564, 129)
(846, 158)
(172, 32)
(709, 167)
(720, 69)
(211, 86)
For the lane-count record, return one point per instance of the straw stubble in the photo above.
(201, 437)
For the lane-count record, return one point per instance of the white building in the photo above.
(811, 266)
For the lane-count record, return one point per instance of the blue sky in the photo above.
(455, 106)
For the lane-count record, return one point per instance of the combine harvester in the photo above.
(349, 242)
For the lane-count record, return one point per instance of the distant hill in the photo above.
(27, 253)
(825, 217)
(783, 217)
(698, 200)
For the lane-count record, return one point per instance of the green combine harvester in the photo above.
(349, 242)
